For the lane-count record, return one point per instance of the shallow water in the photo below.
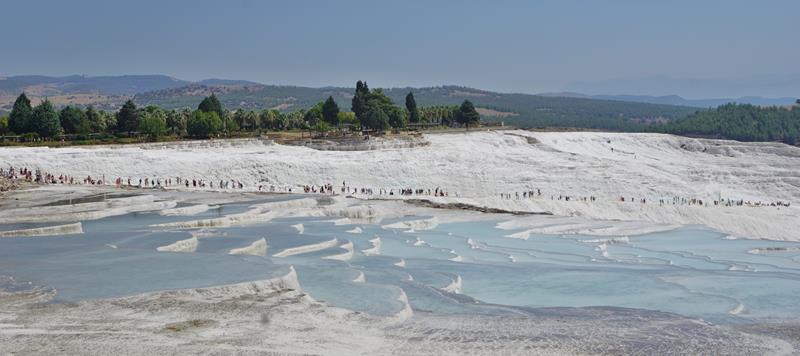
(692, 271)
(89, 199)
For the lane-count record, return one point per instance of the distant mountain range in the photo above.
(677, 100)
(550, 109)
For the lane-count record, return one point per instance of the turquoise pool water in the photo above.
(692, 271)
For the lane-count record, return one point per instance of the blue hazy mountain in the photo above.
(766, 86)
(678, 100)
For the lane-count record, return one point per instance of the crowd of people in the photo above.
(37, 176)
(40, 177)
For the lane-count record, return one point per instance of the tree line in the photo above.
(371, 110)
(743, 122)
(376, 111)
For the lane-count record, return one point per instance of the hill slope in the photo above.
(78, 84)
(105, 92)
(741, 122)
(522, 110)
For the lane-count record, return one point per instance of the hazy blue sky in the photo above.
(522, 46)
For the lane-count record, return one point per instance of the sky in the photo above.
(508, 46)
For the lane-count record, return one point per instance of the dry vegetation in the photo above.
(494, 113)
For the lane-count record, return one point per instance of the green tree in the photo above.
(185, 115)
(377, 96)
(212, 104)
(73, 120)
(153, 122)
(398, 118)
(18, 120)
(313, 115)
(321, 127)
(348, 118)
(359, 102)
(239, 117)
(375, 117)
(246, 120)
(277, 120)
(176, 122)
(441, 114)
(128, 118)
(96, 120)
(271, 120)
(295, 120)
(44, 120)
(3, 125)
(228, 123)
(330, 111)
(411, 106)
(153, 126)
(251, 120)
(110, 120)
(203, 124)
(375, 110)
(467, 115)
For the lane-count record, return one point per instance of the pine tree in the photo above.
(73, 120)
(95, 119)
(44, 120)
(411, 106)
(330, 111)
(212, 104)
(128, 118)
(359, 103)
(18, 121)
(467, 115)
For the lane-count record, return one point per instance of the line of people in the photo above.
(525, 195)
(40, 177)
(436, 192)
(157, 182)
(662, 201)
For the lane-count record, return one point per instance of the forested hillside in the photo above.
(539, 111)
(249, 96)
(741, 122)
(521, 110)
